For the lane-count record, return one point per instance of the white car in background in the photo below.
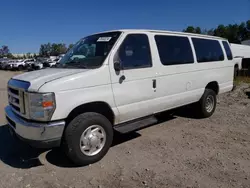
(51, 63)
(6, 65)
(37, 65)
(3, 63)
(21, 64)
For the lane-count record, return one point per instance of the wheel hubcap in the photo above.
(209, 103)
(92, 140)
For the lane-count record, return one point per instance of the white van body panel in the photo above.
(81, 88)
(240, 52)
(238, 62)
(182, 84)
(41, 77)
(135, 97)
(177, 85)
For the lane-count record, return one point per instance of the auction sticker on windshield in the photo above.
(104, 39)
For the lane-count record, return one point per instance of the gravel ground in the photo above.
(179, 151)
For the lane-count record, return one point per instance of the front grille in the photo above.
(14, 91)
(16, 100)
(18, 97)
(15, 107)
(12, 123)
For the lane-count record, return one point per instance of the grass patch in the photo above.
(242, 79)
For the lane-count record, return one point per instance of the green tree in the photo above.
(220, 31)
(9, 55)
(190, 29)
(48, 49)
(28, 55)
(70, 46)
(233, 33)
(247, 37)
(42, 51)
(198, 30)
(242, 31)
(54, 49)
(4, 51)
(207, 32)
(57, 49)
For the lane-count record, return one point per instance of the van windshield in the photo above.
(90, 52)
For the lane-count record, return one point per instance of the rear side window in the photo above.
(134, 52)
(228, 50)
(207, 50)
(174, 50)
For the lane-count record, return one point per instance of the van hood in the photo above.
(41, 77)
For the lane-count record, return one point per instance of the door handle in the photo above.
(121, 79)
(154, 83)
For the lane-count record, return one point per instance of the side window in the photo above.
(228, 50)
(208, 50)
(134, 52)
(174, 50)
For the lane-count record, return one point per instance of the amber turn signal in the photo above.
(47, 104)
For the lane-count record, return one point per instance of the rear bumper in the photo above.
(37, 134)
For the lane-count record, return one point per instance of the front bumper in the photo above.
(37, 134)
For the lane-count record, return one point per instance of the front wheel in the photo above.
(20, 67)
(87, 138)
(207, 103)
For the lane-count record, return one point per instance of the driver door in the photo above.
(133, 86)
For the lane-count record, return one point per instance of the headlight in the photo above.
(41, 106)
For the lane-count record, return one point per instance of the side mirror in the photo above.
(117, 66)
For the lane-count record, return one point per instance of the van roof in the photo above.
(165, 32)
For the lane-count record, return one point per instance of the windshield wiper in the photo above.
(73, 63)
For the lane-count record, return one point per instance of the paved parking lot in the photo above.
(179, 151)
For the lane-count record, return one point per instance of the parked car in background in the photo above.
(29, 62)
(2, 62)
(21, 64)
(50, 63)
(37, 65)
(6, 65)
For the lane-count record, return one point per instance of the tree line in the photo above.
(4, 51)
(235, 33)
(53, 49)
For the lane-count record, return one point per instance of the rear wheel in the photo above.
(236, 71)
(207, 104)
(87, 138)
(20, 67)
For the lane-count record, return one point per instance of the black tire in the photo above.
(236, 71)
(73, 132)
(205, 112)
(20, 67)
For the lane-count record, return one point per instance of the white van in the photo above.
(241, 53)
(116, 80)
